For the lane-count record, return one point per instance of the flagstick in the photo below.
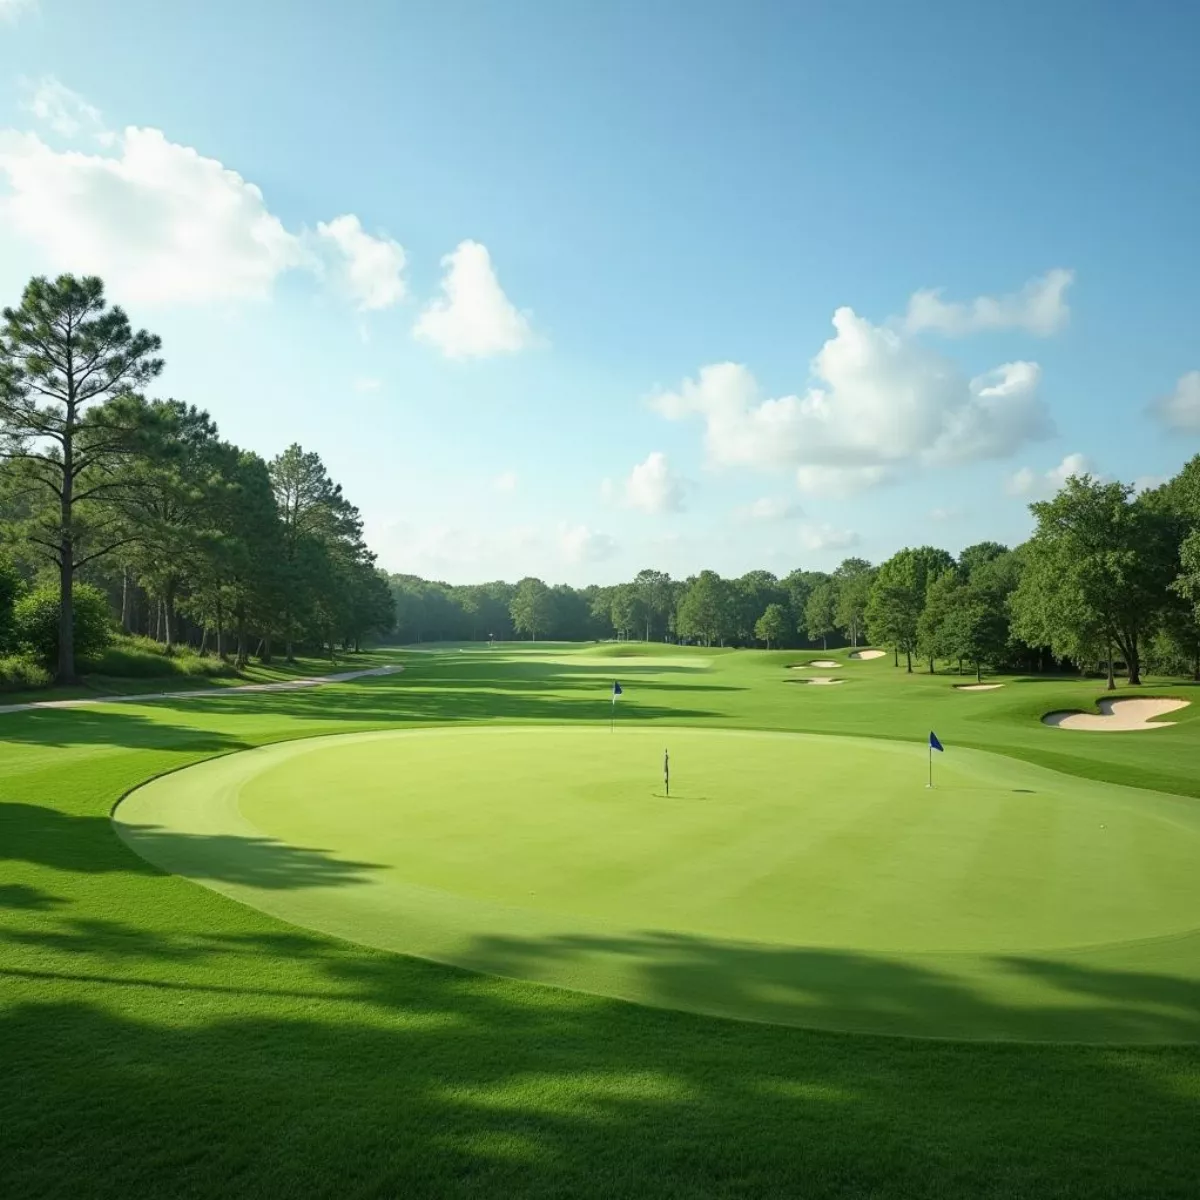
(930, 783)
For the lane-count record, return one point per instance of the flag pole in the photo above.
(930, 783)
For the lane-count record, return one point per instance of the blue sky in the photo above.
(552, 286)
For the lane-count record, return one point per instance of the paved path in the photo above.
(285, 685)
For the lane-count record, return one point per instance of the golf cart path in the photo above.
(285, 685)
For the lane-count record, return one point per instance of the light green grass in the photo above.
(159, 1039)
(785, 870)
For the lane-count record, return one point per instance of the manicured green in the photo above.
(158, 1038)
(795, 874)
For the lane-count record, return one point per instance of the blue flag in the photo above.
(934, 744)
(616, 689)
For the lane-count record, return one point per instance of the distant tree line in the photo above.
(117, 510)
(1109, 577)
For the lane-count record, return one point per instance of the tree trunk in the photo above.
(243, 650)
(978, 671)
(1135, 668)
(908, 656)
(265, 656)
(220, 633)
(66, 611)
(824, 641)
(895, 656)
(931, 669)
(126, 600)
(647, 629)
(168, 609)
(960, 665)
(204, 642)
(1112, 683)
(1196, 666)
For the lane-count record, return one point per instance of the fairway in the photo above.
(798, 879)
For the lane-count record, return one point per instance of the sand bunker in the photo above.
(1117, 716)
(859, 655)
(822, 679)
(977, 687)
(823, 662)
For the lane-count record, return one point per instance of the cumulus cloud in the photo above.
(163, 223)
(770, 508)
(1028, 482)
(60, 109)
(1039, 308)
(840, 482)
(578, 544)
(473, 318)
(826, 537)
(159, 221)
(880, 402)
(506, 481)
(653, 487)
(370, 269)
(1181, 408)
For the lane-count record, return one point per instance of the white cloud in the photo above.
(370, 269)
(157, 220)
(826, 537)
(1147, 483)
(1039, 308)
(653, 487)
(945, 514)
(1181, 409)
(474, 317)
(840, 482)
(580, 544)
(770, 508)
(367, 384)
(506, 481)
(60, 109)
(880, 402)
(162, 223)
(1027, 482)
(10, 10)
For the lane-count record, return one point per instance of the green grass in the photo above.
(794, 878)
(159, 1038)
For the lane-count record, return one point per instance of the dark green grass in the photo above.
(158, 1039)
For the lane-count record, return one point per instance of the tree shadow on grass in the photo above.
(36, 834)
(267, 1062)
(868, 993)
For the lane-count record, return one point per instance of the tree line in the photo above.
(1109, 577)
(117, 509)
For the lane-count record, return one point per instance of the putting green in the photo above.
(798, 879)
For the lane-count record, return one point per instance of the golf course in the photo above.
(444, 931)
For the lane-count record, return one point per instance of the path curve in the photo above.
(283, 685)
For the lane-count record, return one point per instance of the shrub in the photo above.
(144, 658)
(18, 673)
(35, 623)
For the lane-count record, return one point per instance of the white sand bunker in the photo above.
(860, 655)
(1118, 716)
(977, 687)
(821, 679)
(823, 662)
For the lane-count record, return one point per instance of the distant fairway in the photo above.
(801, 879)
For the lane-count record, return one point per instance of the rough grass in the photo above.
(20, 673)
(144, 658)
(158, 1039)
